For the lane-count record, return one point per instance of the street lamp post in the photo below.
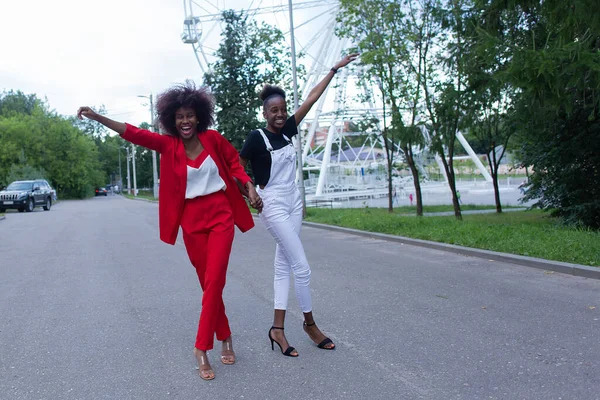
(120, 175)
(128, 176)
(300, 172)
(154, 170)
(134, 174)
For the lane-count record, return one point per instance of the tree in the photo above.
(143, 164)
(34, 139)
(380, 30)
(492, 129)
(24, 171)
(92, 128)
(249, 56)
(444, 82)
(554, 62)
(16, 103)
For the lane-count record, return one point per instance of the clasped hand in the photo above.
(254, 198)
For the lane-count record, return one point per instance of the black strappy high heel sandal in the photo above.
(288, 352)
(325, 341)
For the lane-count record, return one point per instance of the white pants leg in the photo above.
(282, 216)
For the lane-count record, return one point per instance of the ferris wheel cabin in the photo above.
(192, 31)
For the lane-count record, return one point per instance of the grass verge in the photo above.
(142, 194)
(529, 233)
(412, 210)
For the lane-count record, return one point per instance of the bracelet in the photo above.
(334, 70)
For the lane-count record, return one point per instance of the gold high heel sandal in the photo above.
(229, 358)
(206, 374)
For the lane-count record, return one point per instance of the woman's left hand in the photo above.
(346, 60)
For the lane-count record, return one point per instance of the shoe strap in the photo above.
(276, 327)
(289, 351)
(309, 324)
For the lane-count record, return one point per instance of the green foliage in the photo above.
(90, 127)
(23, 172)
(143, 165)
(16, 103)
(564, 150)
(108, 156)
(513, 73)
(35, 140)
(249, 57)
(384, 37)
(553, 60)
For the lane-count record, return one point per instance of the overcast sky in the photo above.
(81, 52)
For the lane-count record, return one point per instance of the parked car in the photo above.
(101, 192)
(26, 195)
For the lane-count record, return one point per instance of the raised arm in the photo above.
(87, 112)
(141, 137)
(318, 90)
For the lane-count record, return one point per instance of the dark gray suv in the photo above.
(26, 195)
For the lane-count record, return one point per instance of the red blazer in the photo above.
(173, 176)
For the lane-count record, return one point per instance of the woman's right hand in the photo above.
(255, 200)
(87, 112)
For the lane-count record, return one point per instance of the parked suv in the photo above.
(26, 195)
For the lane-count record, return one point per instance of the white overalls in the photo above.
(282, 216)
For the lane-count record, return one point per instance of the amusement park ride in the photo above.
(340, 163)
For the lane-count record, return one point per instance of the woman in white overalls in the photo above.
(273, 159)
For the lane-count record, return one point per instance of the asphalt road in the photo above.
(94, 306)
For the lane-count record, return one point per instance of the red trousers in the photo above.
(208, 232)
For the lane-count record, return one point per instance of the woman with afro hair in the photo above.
(273, 159)
(199, 176)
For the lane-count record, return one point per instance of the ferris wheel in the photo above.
(326, 126)
(330, 153)
(202, 24)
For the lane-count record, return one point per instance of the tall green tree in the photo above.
(445, 82)
(490, 109)
(491, 125)
(383, 36)
(555, 64)
(249, 56)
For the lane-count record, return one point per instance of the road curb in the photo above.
(141, 199)
(548, 265)
(532, 262)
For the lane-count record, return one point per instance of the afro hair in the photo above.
(189, 96)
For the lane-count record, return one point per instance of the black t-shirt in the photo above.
(255, 149)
